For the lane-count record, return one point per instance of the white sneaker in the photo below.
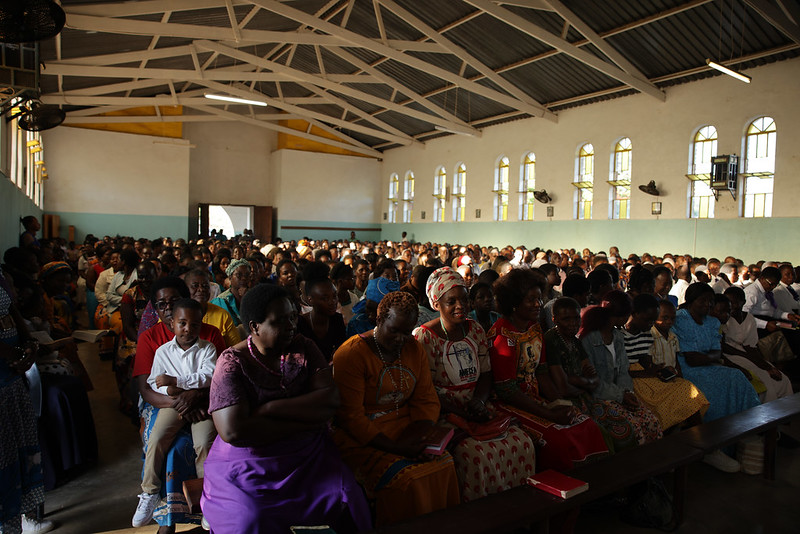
(144, 511)
(205, 524)
(34, 526)
(722, 461)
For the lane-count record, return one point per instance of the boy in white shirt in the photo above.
(186, 362)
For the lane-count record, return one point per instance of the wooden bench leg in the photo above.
(680, 478)
(770, 446)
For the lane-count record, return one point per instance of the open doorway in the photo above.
(229, 220)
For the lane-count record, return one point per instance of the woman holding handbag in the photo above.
(492, 456)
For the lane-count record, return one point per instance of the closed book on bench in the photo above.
(558, 484)
(437, 439)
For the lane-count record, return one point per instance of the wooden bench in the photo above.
(192, 490)
(524, 506)
(727, 430)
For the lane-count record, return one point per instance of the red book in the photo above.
(437, 439)
(558, 484)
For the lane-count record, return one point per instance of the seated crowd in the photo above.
(306, 382)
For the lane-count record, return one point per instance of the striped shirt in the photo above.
(637, 345)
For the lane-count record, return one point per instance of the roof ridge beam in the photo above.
(465, 56)
(358, 40)
(514, 20)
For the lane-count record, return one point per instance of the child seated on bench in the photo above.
(186, 362)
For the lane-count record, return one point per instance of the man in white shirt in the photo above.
(683, 278)
(785, 295)
(761, 304)
(185, 362)
(728, 275)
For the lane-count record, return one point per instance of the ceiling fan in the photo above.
(33, 116)
(26, 21)
(650, 189)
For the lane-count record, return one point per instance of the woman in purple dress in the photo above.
(273, 464)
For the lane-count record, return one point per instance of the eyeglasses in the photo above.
(162, 305)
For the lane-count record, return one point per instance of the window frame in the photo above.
(584, 186)
(620, 180)
(408, 197)
(460, 193)
(703, 148)
(394, 192)
(502, 170)
(439, 194)
(759, 172)
(527, 184)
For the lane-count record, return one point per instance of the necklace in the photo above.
(397, 391)
(446, 334)
(571, 344)
(262, 364)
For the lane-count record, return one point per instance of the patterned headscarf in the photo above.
(441, 281)
(55, 267)
(235, 264)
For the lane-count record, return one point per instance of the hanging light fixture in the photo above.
(226, 98)
(730, 72)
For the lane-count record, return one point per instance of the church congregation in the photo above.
(302, 381)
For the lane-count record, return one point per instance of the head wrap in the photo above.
(441, 281)
(539, 262)
(303, 251)
(377, 288)
(235, 264)
(55, 267)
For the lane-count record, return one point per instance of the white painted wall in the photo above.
(93, 171)
(230, 164)
(660, 132)
(326, 187)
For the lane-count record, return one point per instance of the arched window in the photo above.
(759, 167)
(527, 183)
(394, 190)
(460, 194)
(704, 147)
(584, 182)
(440, 194)
(408, 198)
(621, 180)
(501, 190)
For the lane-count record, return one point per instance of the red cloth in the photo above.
(159, 334)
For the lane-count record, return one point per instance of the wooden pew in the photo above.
(525, 506)
(727, 430)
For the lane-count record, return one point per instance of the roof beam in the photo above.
(462, 54)
(147, 7)
(223, 74)
(777, 18)
(576, 22)
(290, 131)
(396, 85)
(308, 114)
(423, 66)
(123, 119)
(190, 31)
(566, 47)
(237, 34)
(328, 84)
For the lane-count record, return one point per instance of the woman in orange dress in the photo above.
(388, 404)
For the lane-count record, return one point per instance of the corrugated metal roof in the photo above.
(667, 41)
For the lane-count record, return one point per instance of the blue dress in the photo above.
(727, 389)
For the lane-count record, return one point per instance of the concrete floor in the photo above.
(104, 497)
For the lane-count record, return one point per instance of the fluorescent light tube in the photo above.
(730, 72)
(235, 100)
